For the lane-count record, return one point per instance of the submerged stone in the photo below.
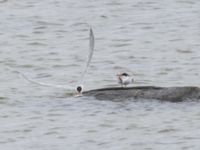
(173, 94)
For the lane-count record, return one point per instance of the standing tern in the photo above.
(124, 79)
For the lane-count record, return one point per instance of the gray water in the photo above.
(157, 41)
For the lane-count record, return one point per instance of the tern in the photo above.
(124, 79)
(79, 88)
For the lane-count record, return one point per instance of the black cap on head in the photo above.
(125, 74)
(79, 89)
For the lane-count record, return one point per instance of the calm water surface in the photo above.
(157, 41)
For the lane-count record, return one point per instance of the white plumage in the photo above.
(124, 79)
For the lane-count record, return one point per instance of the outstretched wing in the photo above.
(44, 84)
(91, 47)
(91, 50)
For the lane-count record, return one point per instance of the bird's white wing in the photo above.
(91, 47)
(91, 50)
(66, 87)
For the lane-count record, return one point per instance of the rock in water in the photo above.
(173, 94)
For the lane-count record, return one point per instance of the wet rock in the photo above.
(173, 94)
